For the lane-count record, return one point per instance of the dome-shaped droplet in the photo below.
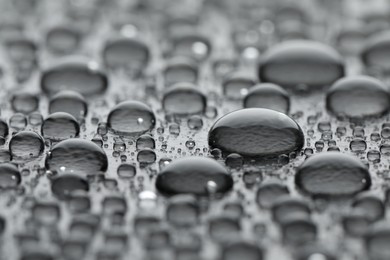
(297, 63)
(241, 250)
(131, 117)
(332, 174)
(26, 144)
(256, 132)
(24, 103)
(376, 51)
(70, 102)
(83, 77)
(180, 70)
(268, 95)
(126, 53)
(77, 156)
(60, 126)
(358, 97)
(195, 175)
(126, 171)
(194, 46)
(237, 85)
(3, 128)
(64, 185)
(377, 241)
(9, 175)
(183, 99)
(63, 39)
(269, 193)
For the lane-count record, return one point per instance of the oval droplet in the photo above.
(256, 132)
(332, 174)
(194, 175)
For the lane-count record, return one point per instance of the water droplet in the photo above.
(26, 145)
(80, 76)
(358, 97)
(180, 70)
(77, 156)
(297, 63)
(60, 126)
(241, 250)
(129, 54)
(332, 174)
(268, 95)
(24, 103)
(9, 175)
(131, 117)
(191, 175)
(63, 39)
(256, 132)
(64, 186)
(70, 102)
(237, 85)
(269, 193)
(183, 99)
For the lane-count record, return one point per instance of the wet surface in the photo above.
(185, 130)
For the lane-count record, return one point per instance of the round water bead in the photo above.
(64, 185)
(60, 126)
(256, 132)
(236, 85)
(77, 156)
(268, 95)
(375, 53)
(9, 175)
(126, 53)
(24, 103)
(63, 39)
(131, 117)
(180, 70)
(191, 45)
(301, 63)
(241, 250)
(184, 99)
(332, 174)
(196, 175)
(126, 171)
(70, 102)
(358, 97)
(26, 144)
(83, 77)
(3, 128)
(183, 210)
(269, 193)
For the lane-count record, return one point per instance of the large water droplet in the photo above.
(77, 156)
(131, 117)
(9, 175)
(26, 144)
(297, 63)
(183, 99)
(60, 126)
(64, 185)
(70, 102)
(80, 76)
(358, 97)
(332, 174)
(268, 95)
(256, 132)
(194, 175)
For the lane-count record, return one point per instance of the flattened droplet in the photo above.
(80, 76)
(332, 174)
(376, 52)
(9, 175)
(192, 175)
(241, 250)
(268, 95)
(296, 63)
(70, 102)
(77, 156)
(60, 126)
(358, 97)
(184, 99)
(64, 185)
(131, 117)
(256, 132)
(63, 39)
(126, 53)
(26, 144)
